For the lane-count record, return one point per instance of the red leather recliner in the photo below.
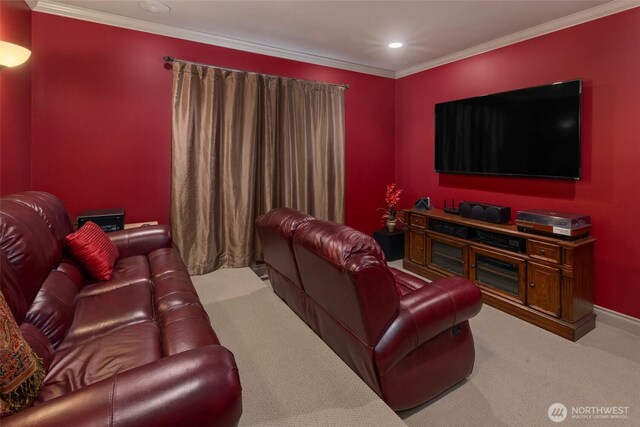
(137, 350)
(408, 339)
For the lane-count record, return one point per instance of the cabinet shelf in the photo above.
(450, 257)
(509, 276)
(554, 291)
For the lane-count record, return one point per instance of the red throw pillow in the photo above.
(92, 248)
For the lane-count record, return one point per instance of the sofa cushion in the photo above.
(93, 249)
(21, 371)
(54, 307)
(100, 313)
(126, 271)
(84, 364)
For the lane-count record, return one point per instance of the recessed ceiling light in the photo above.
(395, 45)
(154, 6)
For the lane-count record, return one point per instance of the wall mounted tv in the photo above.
(533, 132)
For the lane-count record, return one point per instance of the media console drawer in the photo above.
(543, 251)
(418, 221)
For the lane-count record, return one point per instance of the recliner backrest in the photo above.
(344, 271)
(275, 230)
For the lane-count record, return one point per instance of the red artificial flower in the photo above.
(392, 197)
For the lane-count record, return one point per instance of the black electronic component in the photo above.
(451, 229)
(107, 219)
(514, 244)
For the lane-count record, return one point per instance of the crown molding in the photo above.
(597, 12)
(74, 12)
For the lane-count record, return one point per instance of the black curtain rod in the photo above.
(172, 59)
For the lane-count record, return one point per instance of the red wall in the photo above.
(605, 54)
(102, 118)
(15, 102)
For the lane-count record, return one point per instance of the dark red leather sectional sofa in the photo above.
(137, 350)
(409, 340)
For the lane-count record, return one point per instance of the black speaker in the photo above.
(482, 212)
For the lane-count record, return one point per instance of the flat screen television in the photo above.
(532, 132)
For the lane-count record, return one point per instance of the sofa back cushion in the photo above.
(50, 209)
(275, 230)
(345, 273)
(30, 249)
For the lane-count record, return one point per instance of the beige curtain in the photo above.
(242, 144)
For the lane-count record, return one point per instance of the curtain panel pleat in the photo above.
(242, 144)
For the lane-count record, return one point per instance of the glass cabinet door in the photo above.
(499, 273)
(447, 256)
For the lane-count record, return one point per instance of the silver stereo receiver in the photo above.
(555, 223)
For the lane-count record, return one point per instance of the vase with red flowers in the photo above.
(390, 216)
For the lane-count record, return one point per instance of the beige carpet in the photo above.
(291, 378)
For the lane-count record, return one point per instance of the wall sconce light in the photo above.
(12, 55)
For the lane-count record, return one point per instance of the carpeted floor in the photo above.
(291, 378)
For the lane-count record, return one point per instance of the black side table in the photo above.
(392, 244)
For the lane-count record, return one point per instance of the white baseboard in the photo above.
(606, 316)
(618, 320)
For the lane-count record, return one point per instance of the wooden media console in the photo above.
(546, 281)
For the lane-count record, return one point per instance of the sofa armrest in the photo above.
(141, 240)
(425, 313)
(407, 281)
(196, 387)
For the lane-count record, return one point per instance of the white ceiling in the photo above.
(348, 34)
